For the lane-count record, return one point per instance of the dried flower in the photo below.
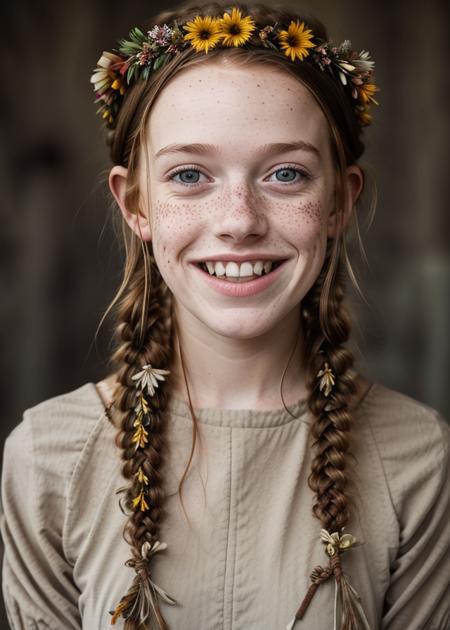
(147, 549)
(141, 476)
(160, 35)
(334, 542)
(148, 378)
(141, 54)
(140, 500)
(140, 436)
(326, 379)
(265, 32)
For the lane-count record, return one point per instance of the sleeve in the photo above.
(37, 583)
(418, 596)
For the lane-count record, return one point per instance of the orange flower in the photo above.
(366, 92)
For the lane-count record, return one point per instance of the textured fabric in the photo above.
(243, 560)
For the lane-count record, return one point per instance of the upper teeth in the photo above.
(234, 270)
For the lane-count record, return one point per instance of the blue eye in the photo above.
(286, 173)
(191, 176)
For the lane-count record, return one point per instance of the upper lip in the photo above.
(238, 258)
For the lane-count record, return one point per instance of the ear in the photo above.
(138, 222)
(354, 181)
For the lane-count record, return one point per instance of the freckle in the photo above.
(258, 85)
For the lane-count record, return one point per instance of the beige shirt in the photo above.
(243, 562)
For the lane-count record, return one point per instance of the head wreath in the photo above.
(145, 53)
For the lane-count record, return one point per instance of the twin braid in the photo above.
(331, 425)
(139, 346)
(326, 328)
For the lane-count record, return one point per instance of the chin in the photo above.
(240, 327)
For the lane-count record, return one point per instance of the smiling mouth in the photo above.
(237, 274)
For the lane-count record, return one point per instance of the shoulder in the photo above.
(411, 441)
(402, 423)
(53, 433)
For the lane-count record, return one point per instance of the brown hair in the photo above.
(143, 303)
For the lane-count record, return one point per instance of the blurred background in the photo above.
(60, 265)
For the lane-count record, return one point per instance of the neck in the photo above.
(230, 373)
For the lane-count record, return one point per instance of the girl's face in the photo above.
(238, 168)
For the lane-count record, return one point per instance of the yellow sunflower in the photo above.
(366, 92)
(236, 30)
(203, 32)
(296, 40)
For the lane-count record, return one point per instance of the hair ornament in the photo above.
(327, 379)
(348, 609)
(148, 377)
(147, 587)
(142, 606)
(144, 53)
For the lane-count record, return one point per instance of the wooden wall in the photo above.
(59, 261)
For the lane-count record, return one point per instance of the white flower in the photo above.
(160, 34)
(364, 63)
(148, 378)
(147, 549)
(346, 66)
(346, 45)
(103, 75)
(342, 77)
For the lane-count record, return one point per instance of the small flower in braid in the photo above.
(330, 387)
(147, 378)
(326, 379)
(146, 383)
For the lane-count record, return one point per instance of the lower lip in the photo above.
(241, 289)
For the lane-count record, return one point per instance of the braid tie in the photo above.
(348, 604)
(318, 575)
(145, 585)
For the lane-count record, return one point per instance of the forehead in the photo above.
(236, 108)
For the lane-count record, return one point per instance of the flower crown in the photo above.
(143, 54)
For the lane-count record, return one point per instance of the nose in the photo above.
(240, 216)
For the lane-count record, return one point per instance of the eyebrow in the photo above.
(269, 149)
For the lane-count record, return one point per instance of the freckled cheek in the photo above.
(303, 221)
(172, 226)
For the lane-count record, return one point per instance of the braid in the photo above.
(139, 346)
(327, 327)
(332, 418)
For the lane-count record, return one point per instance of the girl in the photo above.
(268, 485)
